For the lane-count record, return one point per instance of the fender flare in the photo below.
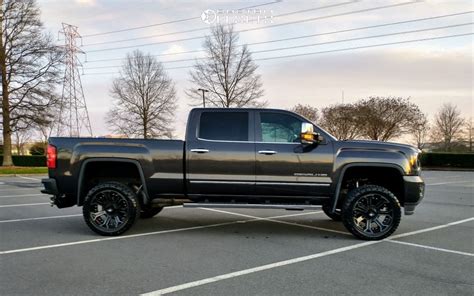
(359, 164)
(80, 199)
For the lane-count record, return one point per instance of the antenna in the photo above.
(73, 116)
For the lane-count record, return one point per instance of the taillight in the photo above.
(51, 157)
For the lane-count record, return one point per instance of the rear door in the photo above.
(220, 155)
(285, 167)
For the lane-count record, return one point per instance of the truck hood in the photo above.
(377, 145)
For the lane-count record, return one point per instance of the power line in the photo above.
(365, 46)
(263, 28)
(320, 43)
(167, 23)
(329, 51)
(303, 36)
(207, 28)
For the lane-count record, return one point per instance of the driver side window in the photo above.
(279, 128)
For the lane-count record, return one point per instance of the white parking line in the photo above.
(22, 195)
(25, 205)
(58, 217)
(445, 183)
(39, 218)
(431, 248)
(286, 262)
(131, 235)
(272, 219)
(28, 178)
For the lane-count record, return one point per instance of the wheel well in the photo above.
(97, 172)
(387, 177)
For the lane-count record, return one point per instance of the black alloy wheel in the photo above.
(371, 212)
(111, 208)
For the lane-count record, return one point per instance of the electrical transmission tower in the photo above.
(73, 116)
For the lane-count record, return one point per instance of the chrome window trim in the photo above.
(258, 183)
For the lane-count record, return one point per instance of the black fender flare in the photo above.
(80, 199)
(359, 164)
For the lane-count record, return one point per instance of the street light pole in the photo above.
(203, 96)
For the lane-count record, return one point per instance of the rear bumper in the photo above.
(414, 193)
(50, 187)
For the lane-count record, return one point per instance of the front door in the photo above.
(284, 166)
(220, 156)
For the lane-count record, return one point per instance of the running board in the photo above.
(251, 206)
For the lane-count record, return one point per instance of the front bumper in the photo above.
(50, 186)
(414, 193)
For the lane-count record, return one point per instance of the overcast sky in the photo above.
(430, 72)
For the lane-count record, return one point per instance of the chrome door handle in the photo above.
(267, 152)
(200, 150)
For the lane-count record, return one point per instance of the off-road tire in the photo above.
(147, 213)
(386, 207)
(112, 199)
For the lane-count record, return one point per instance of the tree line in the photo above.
(144, 95)
(390, 118)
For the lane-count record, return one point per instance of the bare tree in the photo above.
(22, 137)
(385, 118)
(306, 111)
(228, 72)
(29, 66)
(447, 125)
(469, 132)
(145, 99)
(420, 131)
(342, 121)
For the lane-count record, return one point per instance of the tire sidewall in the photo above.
(133, 210)
(355, 195)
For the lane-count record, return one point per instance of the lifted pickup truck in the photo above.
(246, 158)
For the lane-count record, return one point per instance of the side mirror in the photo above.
(308, 136)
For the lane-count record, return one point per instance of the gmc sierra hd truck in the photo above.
(237, 158)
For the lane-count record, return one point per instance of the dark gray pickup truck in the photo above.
(246, 158)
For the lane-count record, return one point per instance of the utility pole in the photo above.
(203, 96)
(343, 97)
(73, 115)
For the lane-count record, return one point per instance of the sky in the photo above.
(430, 72)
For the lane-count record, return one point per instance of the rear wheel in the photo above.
(147, 213)
(336, 216)
(371, 212)
(110, 208)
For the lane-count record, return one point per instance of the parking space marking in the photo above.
(58, 217)
(25, 205)
(287, 262)
(431, 248)
(445, 183)
(272, 219)
(23, 195)
(134, 235)
(28, 178)
(39, 218)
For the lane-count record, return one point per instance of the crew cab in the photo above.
(242, 158)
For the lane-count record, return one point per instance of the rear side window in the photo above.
(224, 126)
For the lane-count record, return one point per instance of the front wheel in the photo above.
(371, 212)
(111, 208)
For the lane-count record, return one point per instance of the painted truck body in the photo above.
(236, 157)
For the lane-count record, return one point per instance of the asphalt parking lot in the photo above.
(181, 251)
